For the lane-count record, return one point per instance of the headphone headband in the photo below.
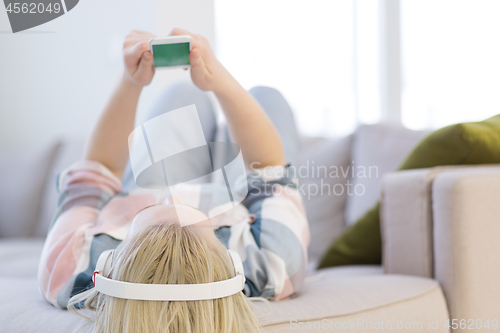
(166, 292)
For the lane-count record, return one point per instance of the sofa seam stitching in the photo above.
(368, 309)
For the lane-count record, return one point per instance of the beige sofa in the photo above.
(440, 230)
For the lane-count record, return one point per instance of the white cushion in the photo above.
(23, 175)
(382, 147)
(69, 152)
(341, 296)
(325, 209)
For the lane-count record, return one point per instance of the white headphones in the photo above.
(166, 292)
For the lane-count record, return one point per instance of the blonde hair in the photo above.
(169, 254)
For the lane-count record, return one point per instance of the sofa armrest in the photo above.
(466, 218)
(406, 221)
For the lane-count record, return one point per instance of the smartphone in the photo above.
(171, 52)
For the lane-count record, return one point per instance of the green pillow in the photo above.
(467, 143)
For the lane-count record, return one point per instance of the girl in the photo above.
(96, 212)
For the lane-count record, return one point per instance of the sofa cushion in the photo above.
(337, 296)
(323, 190)
(466, 143)
(377, 149)
(69, 151)
(23, 175)
(362, 296)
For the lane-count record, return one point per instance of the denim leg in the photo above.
(281, 115)
(175, 96)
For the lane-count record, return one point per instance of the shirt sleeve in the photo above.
(75, 239)
(273, 243)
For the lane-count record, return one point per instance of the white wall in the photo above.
(55, 78)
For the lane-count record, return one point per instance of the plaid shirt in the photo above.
(268, 229)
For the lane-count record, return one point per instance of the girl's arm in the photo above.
(249, 126)
(108, 143)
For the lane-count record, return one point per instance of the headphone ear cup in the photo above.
(107, 265)
(238, 265)
(103, 265)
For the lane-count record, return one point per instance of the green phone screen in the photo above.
(171, 54)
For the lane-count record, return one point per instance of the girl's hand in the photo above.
(137, 58)
(207, 72)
